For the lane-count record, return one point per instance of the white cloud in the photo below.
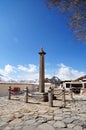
(67, 73)
(22, 68)
(20, 72)
(8, 68)
(31, 68)
(31, 72)
(28, 76)
(28, 73)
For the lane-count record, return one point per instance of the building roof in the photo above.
(82, 78)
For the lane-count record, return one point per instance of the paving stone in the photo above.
(70, 125)
(17, 115)
(59, 124)
(51, 122)
(41, 120)
(18, 128)
(58, 112)
(7, 118)
(8, 128)
(68, 120)
(66, 129)
(30, 128)
(77, 128)
(48, 117)
(78, 122)
(58, 117)
(46, 126)
(3, 124)
(29, 122)
(83, 124)
(42, 112)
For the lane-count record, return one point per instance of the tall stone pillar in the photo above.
(41, 72)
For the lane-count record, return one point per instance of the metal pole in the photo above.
(26, 95)
(9, 93)
(50, 97)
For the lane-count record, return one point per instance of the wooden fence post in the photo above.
(71, 93)
(9, 93)
(64, 99)
(26, 95)
(50, 97)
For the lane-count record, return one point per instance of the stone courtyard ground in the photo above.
(15, 114)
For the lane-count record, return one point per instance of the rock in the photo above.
(30, 128)
(3, 124)
(58, 117)
(65, 129)
(46, 126)
(68, 120)
(70, 125)
(40, 120)
(42, 111)
(77, 128)
(16, 122)
(78, 122)
(18, 128)
(48, 117)
(7, 118)
(59, 124)
(58, 112)
(18, 115)
(51, 122)
(8, 128)
(83, 114)
(29, 122)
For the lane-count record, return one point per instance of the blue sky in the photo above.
(25, 27)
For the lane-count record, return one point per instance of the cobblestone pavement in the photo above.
(15, 114)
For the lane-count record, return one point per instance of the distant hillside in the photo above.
(53, 80)
(5, 79)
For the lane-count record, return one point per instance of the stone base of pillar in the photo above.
(39, 96)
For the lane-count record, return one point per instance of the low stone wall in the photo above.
(22, 86)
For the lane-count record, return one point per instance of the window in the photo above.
(67, 85)
(77, 85)
(84, 85)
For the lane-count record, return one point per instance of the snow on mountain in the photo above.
(4, 78)
(54, 80)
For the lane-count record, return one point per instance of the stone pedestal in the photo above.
(39, 96)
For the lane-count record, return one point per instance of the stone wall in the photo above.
(4, 87)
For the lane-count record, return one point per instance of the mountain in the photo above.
(53, 80)
(3, 78)
(29, 81)
(6, 79)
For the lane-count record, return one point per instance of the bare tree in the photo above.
(76, 12)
